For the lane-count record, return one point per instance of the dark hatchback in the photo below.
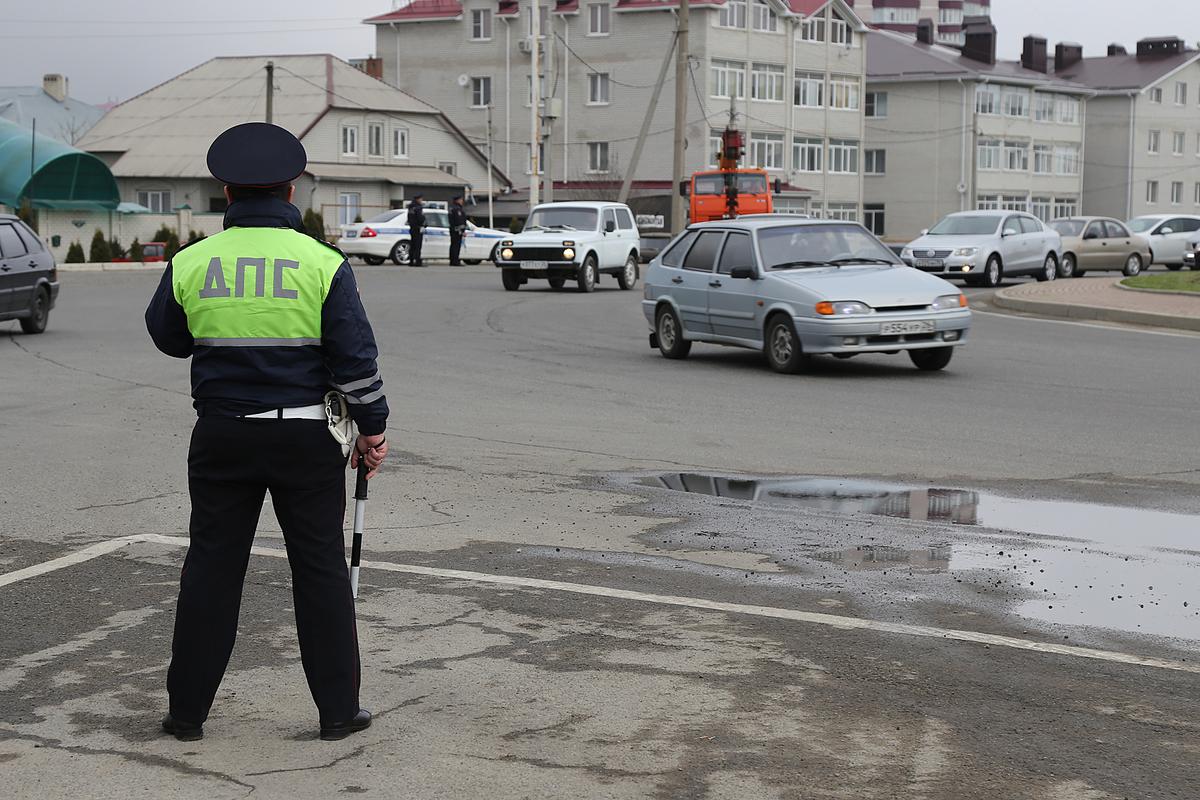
(28, 276)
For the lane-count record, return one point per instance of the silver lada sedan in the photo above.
(795, 288)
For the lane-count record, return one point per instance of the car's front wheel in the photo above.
(1066, 269)
(670, 334)
(39, 313)
(373, 261)
(627, 278)
(993, 273)
(1049, 269)
(1133, 265)
(399, 253)
(931, 359)
(782, 346)
(586, 280)
(511, 279)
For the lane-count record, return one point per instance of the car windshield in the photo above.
(387, 216)
(834, 244)
(565, 218)
(965, 226)
(1068, 227)
(1142, 224)
(746, 184)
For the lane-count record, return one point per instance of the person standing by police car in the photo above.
(458, 229)
(272, 321)
(416, 230)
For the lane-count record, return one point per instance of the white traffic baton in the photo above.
(360, 510)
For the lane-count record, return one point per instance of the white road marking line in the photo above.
(1120, 327)
(794, 615)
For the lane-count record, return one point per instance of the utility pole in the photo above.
(548, 116)
(679, 164)
(491, 210)
(535, 93)
(270, 91)
(627, 184)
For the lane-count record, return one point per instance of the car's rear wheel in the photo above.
(1049, 269)
(782, 346)
(993, 273)
(931, 359)
(1133, 265)
(374, 261)
(586, 280)
(557, 283)
(670, 334)
(39, 313)
(627, 278)
(399, 253)
(1174, 267)
(1066, 269)
(511, 279)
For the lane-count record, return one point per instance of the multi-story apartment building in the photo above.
(793, 73)
(950, 130)
(902, 16)
(1143, 128)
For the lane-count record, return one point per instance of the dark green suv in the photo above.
(28, 276)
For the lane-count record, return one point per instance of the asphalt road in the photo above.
(618, 638)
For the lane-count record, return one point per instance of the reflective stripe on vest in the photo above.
(254, 287)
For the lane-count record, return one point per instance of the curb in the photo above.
(1121, 285)
(1074, 311)
(114, 266)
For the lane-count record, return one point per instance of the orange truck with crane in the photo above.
(729, 191)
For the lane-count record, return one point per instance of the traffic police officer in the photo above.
(416, 231)
(458, 228)
(272, 321)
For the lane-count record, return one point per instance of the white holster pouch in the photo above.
(341, 427)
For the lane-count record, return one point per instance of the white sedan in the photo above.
(386, 236)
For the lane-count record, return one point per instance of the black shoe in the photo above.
(340, 730)
(183, 731)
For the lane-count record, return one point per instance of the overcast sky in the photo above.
(113, 49)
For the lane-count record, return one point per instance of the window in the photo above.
(1156, 94)
(988, 202)
(1043, 107)
(806, 154)
(950, 16)
(766, 150)
(896, 15)
(1180, 93)
(733, 14)
(1068, 110)
(599, 19)
(157, 201)
(839, 32)
(1196, 194)
(349, 207)
(987, 99)
(1041, 208)
(1016, 157)
(11, 244)
(481, 24)
(624, 219)
(714, 147)
(1066, 159)
(808, 90)
(988, 154)
(1115, 230)
(843, 156)
(812, 29)
(1014, 202)
(844, 92)
(543, 21)
(764, 17)
(400, 143)
(1155, 142)
(875, 162)
(1043, 159)
(1151, 191)
(1015, 102)
(598, 88)
(375, 139)
(704, 252)
(876, 105)
(1065, 207)
(349, 140)
(481, 92)
(846, 212)
(673, 257)
(766, 82)
(1029, 225)
(728, 78)
(448, 167)
(738, 252)
(874, 219)
(1178, 142)
(1198, 145)
(597, 156)
(541, 153)
(1176, 192)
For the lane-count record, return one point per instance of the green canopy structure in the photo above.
(51, 174)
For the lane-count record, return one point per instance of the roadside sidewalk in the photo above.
(1101, 299)
(114, 266)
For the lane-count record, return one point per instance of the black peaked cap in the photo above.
(256, 154)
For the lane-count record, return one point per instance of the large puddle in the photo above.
(1113, 567)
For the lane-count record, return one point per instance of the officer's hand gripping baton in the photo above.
(360, 509)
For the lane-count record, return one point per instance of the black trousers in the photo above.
(231, 465)
(456, 240)
(416, 239)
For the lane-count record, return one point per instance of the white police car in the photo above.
(387, 236)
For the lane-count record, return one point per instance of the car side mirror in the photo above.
(777, 186)
(1165, 231)
(924, 231)
(744, 273)
(685, 188)
(609, 226)
(1009, 232)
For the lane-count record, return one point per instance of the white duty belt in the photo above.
(303, 412)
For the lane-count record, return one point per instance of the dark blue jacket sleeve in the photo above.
(350, 353)
(166, 321)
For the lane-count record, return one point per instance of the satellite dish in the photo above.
(463, 80)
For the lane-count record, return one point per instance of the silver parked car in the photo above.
(794, 288)
(982, 247)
